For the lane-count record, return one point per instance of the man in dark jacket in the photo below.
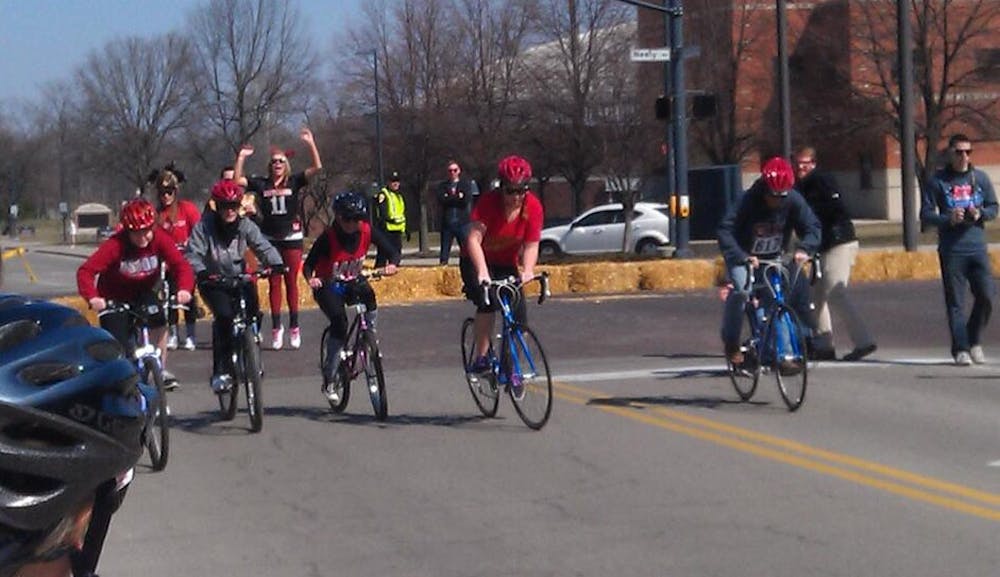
(455, 196)
(838, 251)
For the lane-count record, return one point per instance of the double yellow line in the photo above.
(868, 473)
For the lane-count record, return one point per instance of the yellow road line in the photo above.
(913, 486)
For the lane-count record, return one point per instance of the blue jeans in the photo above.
(957, 271)
(450, 230)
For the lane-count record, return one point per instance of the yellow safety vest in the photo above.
(395, 211)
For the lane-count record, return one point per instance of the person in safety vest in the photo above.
(390, 217)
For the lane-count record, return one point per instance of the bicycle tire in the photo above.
(228, 399)
(484, 389)
(341, 380)
(791, 384)
(375, 377)
(746, 376)
(158, 430)
(252, 381)
(530, 383)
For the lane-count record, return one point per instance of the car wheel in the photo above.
(647, 247)
(548, 249)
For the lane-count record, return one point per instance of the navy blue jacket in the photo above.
(949, 189)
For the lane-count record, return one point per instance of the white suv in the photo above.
(602, 228)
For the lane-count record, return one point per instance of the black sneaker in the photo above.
(860, 352)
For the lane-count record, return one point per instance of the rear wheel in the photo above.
(252, 381)
(482, 386)
(375, 377)
(337, 391)
(790, 365)
(530, 384)
(746, 375)
(158, 427)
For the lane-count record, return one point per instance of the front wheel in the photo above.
(375, 377)
(158, 427)
(746, 375)
(252, 381)
(337, 390)
(482, 386)
(529, 381)
(228, 399)
(790, 365)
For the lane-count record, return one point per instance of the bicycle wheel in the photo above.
(530, 384)
(790, 366)
(251, 375)
(483, 387)
(375, 376)
(228, 399)
(158, 428)
(746, 376)
(337, 391)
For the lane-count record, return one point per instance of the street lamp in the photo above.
(378, 115)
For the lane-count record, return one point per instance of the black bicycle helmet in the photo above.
(350, 205)
(71, 418)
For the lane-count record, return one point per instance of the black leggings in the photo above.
(474, 292)
(121, 325)
(224, 303)
(332, 298)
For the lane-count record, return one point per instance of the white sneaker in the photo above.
(189, 344)
(963, 359)
(172, 343)
(977, 355)
(278, 338)
(294, 337)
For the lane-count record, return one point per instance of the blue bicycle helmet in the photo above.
(71, 418)
(350, 205)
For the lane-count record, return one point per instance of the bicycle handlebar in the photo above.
(515, 283)
(235, 280)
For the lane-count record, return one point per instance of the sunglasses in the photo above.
(352, 218)
(453, 170)
(964, 151)
(168, 191)
(234, 205)
(277, 161)
(515, 190)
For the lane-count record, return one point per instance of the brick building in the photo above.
(838, 101)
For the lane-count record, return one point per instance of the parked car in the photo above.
(602, 228)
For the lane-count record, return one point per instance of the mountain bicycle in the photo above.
(773, 338)
(520, 368)
(156, 433)
(360, 354)
(243, 359)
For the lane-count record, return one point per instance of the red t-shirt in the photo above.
(124, 271)
(503, 239)
(179, 227)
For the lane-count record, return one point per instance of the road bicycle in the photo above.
(360, 354)
(773, 340)
(520, 368)
(243, 359)
(156, 433)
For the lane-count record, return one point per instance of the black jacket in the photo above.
(823, 195)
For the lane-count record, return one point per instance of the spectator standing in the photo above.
(279, 196)
(838, 252)
(455, 196)
(390, 218)
(958, 201)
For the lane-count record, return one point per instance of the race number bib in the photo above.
(766, 245)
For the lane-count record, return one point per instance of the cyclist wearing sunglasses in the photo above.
(759, 227)
(217, 246)
(959, 200)
(501, 241)
(126, 268)
(333, 269)
(176, 216)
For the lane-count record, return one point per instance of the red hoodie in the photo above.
(125, 272)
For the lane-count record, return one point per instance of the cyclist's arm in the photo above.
(530, 256)
(103, 258)
(807, 226)
(320, 250)
(729, 246)
(197, 247)
(474, 246)
(382, 241)
(264, 250)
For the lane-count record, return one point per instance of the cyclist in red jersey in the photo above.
(126, 268)
(503, 234)
(176, 216)
(279, 203)
(336, 259)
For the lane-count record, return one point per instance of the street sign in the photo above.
(650, 55)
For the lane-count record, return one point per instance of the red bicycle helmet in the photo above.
(514, 171)
(778, 176)
(227, 191)
(138, 214)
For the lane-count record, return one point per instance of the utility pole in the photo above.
(785, 100)
(906, 132)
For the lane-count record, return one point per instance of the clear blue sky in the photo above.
(43, 40)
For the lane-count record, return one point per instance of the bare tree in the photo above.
(949, 78)
(568, 70)
(254, 69)
(135, 94)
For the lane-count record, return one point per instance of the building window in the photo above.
(865, 171)
(988, 64)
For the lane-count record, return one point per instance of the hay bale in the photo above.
(604, 278)
(449, 281)
(678, 274)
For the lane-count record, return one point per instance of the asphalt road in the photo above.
(648, 467)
